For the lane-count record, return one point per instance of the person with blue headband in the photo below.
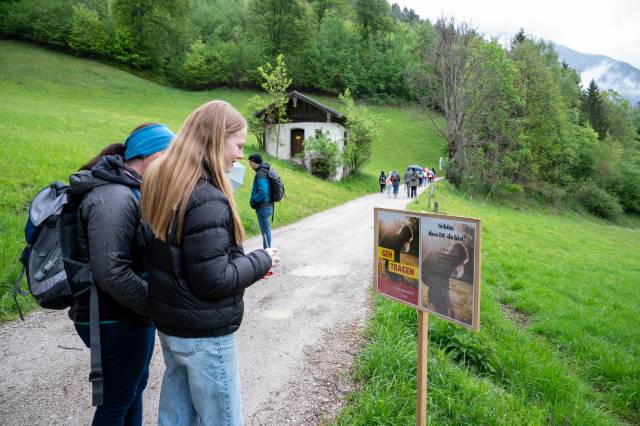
(114, 246)
(147, 140)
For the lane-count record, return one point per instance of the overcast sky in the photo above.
(610, 28)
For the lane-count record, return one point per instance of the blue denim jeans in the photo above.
(201, 383)
(264, 220)
(127, 348)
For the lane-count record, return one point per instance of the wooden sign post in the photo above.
(423, 353)
(430, 262)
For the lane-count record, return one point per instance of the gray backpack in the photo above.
(55, 274)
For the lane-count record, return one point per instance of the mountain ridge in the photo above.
(608, 73)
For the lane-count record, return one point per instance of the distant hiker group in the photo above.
(148, 237)
(414, 177)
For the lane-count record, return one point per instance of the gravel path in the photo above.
(301, 332)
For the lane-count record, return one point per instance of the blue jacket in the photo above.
(261, 191)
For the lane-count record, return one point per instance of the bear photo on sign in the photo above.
(398, 252)
(447, 268)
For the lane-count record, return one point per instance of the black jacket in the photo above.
(196, 288)
(110, 218)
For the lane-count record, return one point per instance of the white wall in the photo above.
(334, 131)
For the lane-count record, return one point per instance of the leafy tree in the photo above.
(155, 29)
(619, 117)
(628, 188)
(383, 63)
(372, 17)
(279, 25)
(495, 153)
(569, 81)
(593, 109)
(362, 130)
(215, 21)
(635, 118)
(257, 126)
(276, 82)
(46, 22)
(195, 69)
(334, 55)
(444, 80)
(543, 111)
(323, 7)
(88, 33)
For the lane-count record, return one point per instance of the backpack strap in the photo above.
(95, 346)
(95, 376)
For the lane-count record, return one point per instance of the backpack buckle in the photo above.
(95, 376)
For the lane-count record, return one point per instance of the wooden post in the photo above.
(423, 340)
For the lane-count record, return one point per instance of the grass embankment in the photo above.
(560, 331)
(58, 111)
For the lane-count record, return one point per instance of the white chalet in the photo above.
(306, 118)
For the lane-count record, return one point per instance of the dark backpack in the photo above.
(50, 259)
(55, 274)
(276, 187)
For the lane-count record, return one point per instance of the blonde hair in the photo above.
(169, 181)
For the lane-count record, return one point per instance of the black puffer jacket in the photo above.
(196, 288)
(110, 213)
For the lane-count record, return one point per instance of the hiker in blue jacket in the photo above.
(112, 242)
(261, 197)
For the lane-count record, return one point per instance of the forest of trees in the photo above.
(517, 121)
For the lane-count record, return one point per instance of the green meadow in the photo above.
(57, 111)
(560, 330)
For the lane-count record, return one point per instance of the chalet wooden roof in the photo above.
(317, 113)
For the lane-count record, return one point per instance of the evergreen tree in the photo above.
(594, 111)
(519, 37)
(408, 16)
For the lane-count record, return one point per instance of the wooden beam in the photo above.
(423, 343)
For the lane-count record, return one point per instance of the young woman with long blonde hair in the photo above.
(198, 267)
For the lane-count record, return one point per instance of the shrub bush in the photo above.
(323, 156)
(597, 200)
(469, 350)
(629, 183)
(88, 34)
(46, 22)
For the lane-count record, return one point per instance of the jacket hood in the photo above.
(109, 169)
(265, 165)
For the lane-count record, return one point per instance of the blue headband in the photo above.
(147, 140)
